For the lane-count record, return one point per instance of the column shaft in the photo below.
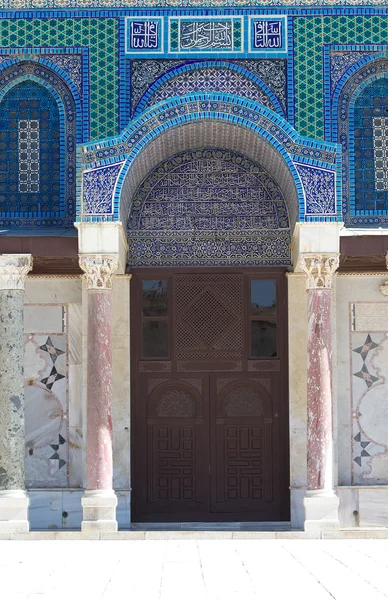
(320, 502)
(13, 498)
(11, 390)
(99, 502)
(319, 391)
(99, 392)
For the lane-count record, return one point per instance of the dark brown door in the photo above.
(209, 402)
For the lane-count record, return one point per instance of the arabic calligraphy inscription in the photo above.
(206, 35)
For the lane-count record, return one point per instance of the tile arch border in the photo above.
(207, 64)
(344, 110)
(65, 219)
(220, 107)
(37, 55)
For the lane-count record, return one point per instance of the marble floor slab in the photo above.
(194, 570)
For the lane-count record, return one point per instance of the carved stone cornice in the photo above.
(319, 269)
(99, 270)
(13, 270)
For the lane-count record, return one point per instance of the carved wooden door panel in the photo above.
(244, 438)
(209, 396)
(173, 478)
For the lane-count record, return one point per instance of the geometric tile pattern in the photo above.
(38, 95)
(370, 159)
(28, 156)
(148, 75)
(380, 144)
(360, 97)
(311, 35)
(32, 165)
(100, 35)
(210, 80)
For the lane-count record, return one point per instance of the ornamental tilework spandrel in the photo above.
(319, 190)
(210, 80)
(98, 189)
(100, 35)
(207, 207)
(146, 73)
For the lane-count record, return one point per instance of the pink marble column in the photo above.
(99, 502)
(99, 472)
(321, 503)
(319, 391)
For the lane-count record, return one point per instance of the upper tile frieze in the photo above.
(104, 4)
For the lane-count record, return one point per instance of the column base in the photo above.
(14, 511)
(99, 511)
(321, 511)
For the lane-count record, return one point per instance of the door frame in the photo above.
(253, 366)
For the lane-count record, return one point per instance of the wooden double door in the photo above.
(209, 402)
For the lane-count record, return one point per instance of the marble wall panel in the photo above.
(297, 336)
(61, 509)
(53, 290)
(121, 407)
(373, 506)
(45, 510)
(41, 319)
(47, 410)
(348, 512)
(361, 374)
(53, 383)
(297, 508)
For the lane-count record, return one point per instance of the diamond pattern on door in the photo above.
(209, 314)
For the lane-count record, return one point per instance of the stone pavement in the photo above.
(194, 570)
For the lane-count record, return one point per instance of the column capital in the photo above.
(319, 269)
(99, 270)
(13, 270)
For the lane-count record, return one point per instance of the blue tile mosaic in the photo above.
(357, 92)
(370, 104)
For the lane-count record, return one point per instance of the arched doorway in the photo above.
(209, 237)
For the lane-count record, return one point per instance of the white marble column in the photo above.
(13, 498)
(321, 502)
(99, 502)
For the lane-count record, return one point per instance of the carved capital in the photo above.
(99, 269)
(319, 269)
(13, 270)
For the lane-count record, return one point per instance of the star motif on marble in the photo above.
(366, 376)
(363, 452)
(366, 348)
(52, 378)
(56, 448)
(52, 351)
